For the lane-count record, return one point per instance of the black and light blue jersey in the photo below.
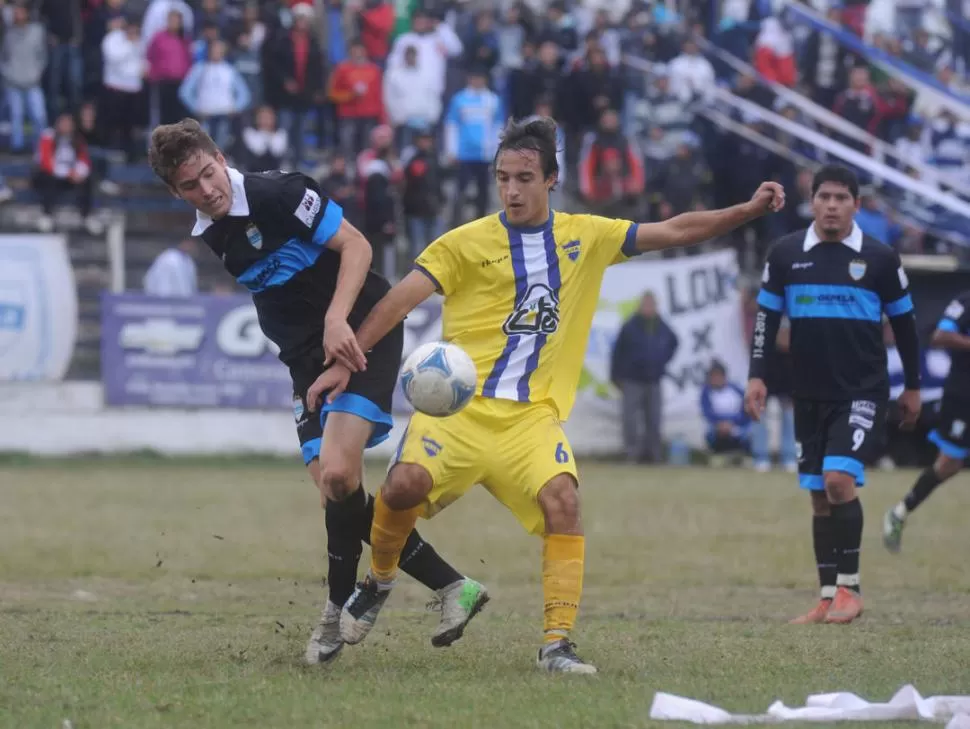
(274, 242)
(835, 295)
(956, 318)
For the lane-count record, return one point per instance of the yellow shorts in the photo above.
(513, 449)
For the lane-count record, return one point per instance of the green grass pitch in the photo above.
(154, 593)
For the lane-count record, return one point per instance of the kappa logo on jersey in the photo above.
(254, 237)
(572, 249)
(857, 269)
(804, 264)
(537, 314)
(308, 208)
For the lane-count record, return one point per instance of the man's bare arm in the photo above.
(391, 310)
(950, 340)
(689, 229)
(355, 259)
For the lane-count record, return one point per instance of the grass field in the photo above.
(180, 594)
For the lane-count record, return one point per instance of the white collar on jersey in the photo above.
(853, 241)
(239, 207)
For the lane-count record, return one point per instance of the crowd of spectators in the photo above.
(388, 106)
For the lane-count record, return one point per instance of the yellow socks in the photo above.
(562, 582)
(388, 533)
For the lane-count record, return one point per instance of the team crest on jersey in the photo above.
(254, 237)
(857, 269)
(537, 314)
(572, 249)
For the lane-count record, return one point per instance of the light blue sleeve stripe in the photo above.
(948, 325)
(329, 224)
(899, 306)
(771, 301)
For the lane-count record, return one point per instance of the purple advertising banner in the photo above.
(198, 352)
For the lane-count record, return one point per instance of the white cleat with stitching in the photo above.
(325, 642)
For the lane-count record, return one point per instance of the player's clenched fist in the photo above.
(755, 397)
(768, 198)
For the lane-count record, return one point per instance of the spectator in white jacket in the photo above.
(435, 41)
(215, 92)
(691, 75)
(122, 79)
(411, 96)
(173, 274)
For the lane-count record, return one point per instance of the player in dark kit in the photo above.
(309, 273)
(835, 283)
(951, 435)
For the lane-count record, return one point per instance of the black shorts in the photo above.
(952, 434)
(836, 436)
(369, 394)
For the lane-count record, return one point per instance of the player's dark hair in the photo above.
(174, 144)
(537, 134)
(838, 175)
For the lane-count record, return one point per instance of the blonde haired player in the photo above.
(520, 290)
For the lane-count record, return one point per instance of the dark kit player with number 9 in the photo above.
(309, 273)
(835, 284)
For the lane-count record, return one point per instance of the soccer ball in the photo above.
(438, 378)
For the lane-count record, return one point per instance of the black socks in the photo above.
(847, 522)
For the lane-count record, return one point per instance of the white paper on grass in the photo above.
(905, 705)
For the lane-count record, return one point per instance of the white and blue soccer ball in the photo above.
(438, 378)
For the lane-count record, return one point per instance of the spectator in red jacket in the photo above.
(63, 165)
(611, 174)
(376, 23)
(774, 53)
(865, 107)
(357, 90)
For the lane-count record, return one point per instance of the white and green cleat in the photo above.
(892, 531)
(460, 602)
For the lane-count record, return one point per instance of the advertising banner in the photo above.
(203, 351)
(38, 308)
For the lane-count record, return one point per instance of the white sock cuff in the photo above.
(828, 592)
(848, 580)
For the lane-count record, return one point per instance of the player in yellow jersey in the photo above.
(520, 290)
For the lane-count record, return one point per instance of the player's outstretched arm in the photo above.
(339, 341)
(387, 314)
(689, 229)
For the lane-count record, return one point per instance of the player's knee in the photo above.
(946, 466)
(559, 501)
(338, 480)
(407, 486)
(820, 504)
(839, 487)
